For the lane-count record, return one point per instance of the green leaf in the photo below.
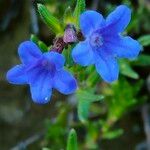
(52, 22)
(83, 110)
(45, 148)
(43, 46)
(93, 78)
(34, 39)
(92, 135)
(112, 134)
(143, 60)
(126, 70)
(80, 8)
(72, 140)
(88, 95)
(85, 98)
(145, 40)
(67, 54)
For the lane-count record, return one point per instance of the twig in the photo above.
(24, 144)
(34, 19)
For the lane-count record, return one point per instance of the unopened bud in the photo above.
(70, 34)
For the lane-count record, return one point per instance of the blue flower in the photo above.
(104, 43)
(42, 71)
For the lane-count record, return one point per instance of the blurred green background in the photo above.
(105, 117)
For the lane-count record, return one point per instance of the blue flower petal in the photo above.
(83, 54)
(29, 52)
(123, 47)
(107, 67)
(56, 59)
(41, 89)
(65, 82)
(90, 21)
(17, 75)
(118, 20)
(34, 73)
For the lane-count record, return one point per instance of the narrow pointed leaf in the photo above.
(34, 39)
(143, 60)
(79, 9)
(126, 70)
(72, 140)
(112, 134)
(83, 110)
(45, 148)
(52, 22)
(145, 40)
(93, 78)
(43, 46)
